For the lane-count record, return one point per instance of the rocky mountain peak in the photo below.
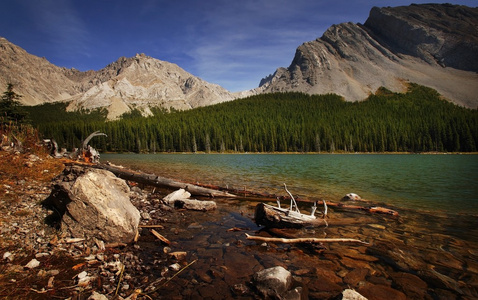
(434, 45)
(135, 82)
(443, 34)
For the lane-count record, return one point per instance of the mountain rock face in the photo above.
(432, 44)
(137, 82)
(143, 82)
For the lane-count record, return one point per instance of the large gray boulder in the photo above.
(95, 204)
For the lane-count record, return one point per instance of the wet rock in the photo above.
(352, 197)
(325, 285)
(273, 282)
(355, 276)
(294, 294)
(96, 204)
(410, 284)
(240, 289)
(328, 275)
(380, 292)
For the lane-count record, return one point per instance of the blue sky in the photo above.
(231, 43)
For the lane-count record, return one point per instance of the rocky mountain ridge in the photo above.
(432, 44)
(136, 82)
(435, 45)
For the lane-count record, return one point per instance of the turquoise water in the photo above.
(421, 182)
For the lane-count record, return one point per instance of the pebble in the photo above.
(175, 267)
(376, 226)
(9, 256)
(32, 264)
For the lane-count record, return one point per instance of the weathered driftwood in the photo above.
(151, 226)
(303, 240)
(180, 199)
(154, 180)
(271, 216)
(370, 209)
(160, 237)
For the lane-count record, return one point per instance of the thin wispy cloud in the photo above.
(62, 27)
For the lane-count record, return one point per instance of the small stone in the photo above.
(82, 275)
(32, 264)
(175, 267)
(376, 226)
(38, 255)
(145, 216)
(97, 296)
(350, 294)
(178, 255)
(53, 272)
(8, 255)
(240, 289)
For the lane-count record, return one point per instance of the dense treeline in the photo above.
(416, 121)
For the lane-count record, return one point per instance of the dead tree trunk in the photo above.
(158, 181)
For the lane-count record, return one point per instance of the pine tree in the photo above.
(10, 107)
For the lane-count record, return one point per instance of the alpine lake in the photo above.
(428, 251)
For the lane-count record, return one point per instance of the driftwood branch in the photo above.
(303, 240)
(370, 209)
(293, 203)
(87, 140)
(160, 237)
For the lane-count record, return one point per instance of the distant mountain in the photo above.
(435, 45)
(137, 82)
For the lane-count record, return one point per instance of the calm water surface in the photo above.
(423, 182)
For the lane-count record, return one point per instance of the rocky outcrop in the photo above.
(95, 204)
(137, 82)
(445, 35)
(433, 45)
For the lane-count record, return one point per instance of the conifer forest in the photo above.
(418, 120)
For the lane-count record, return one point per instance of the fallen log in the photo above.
(154, 180)
(303, 240)
(370, 209)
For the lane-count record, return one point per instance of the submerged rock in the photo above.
(273, 282)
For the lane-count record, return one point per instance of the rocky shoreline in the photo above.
(208, 255)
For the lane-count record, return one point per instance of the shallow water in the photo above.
(429, 251)
(424, 182)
